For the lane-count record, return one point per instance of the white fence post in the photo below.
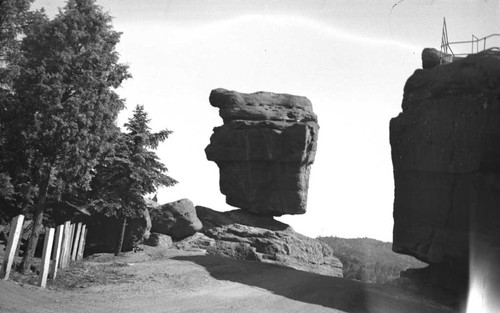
(76, 241)
(65, 244)
(81, 243)
(70, 244)
(56, 252)
(16, 228)
(47, 251)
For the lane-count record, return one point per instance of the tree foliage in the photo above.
(60, 115)
(130, 171)
(14, 17)
(369, 260)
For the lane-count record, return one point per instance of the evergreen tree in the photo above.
(130, 172)
(62, 106)
(14, 17)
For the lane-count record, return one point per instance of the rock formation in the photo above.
(159, 240)
(432, 58)
(264, 150)
(177, 219)
(246, 236)
(446, 157)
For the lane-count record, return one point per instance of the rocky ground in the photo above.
(172, 280)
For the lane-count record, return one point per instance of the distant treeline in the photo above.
(370, 260)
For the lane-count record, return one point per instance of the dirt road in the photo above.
(156, 280)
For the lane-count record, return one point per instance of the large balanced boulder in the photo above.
(246, 236)
(446, 157)
(177, 219)
(264, 150)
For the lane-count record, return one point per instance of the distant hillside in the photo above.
(370, 260)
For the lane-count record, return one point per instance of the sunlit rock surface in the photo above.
(264, 150)
(247, 236)
(446, 157)
(176, 219)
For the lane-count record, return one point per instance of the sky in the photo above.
(351, 58)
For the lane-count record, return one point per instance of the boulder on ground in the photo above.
(196, 242)
(177, 219)
(159, 240)
(241, 235)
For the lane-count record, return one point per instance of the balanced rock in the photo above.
(264, 150)
(246, 236)
(177, 219)
(446, 157)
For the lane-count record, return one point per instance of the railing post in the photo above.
(16, 227)
(47, 251)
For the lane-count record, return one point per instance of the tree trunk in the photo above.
(37, 224)
(122, 235)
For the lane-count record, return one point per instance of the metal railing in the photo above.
(476, 45)
(459, 49)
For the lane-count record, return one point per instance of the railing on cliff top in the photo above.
(476, 45)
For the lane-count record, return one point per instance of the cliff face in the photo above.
(264, 150)
(446, 157)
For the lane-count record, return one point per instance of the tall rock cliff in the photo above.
(264, 150)
(446, 157)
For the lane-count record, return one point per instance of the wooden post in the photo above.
(84, 241)
(64, 246)
(56, 252)
(19, 243)
(47, 251)
(70, 244)
(16, 227)
(79, 254)
(76, 241)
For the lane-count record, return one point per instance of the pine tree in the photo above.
(130, 172)
(62, 106)
(14, 17)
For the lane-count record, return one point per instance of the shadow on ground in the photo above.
(327, 291)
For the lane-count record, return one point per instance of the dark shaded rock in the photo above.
(446, 157)
(103, 232)
(159, 240)
(211, 218)
(432, 58)
(246, 236)
(177, 219)
(264, 150)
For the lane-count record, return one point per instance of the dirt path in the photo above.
(156, 280)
